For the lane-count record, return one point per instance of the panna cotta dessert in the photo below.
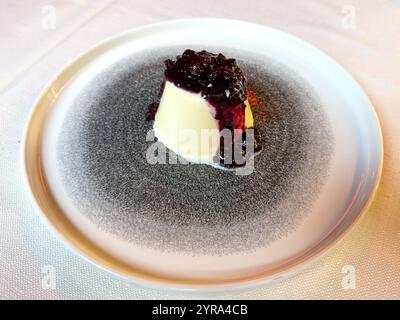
(203, 114)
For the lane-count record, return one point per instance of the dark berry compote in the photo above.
(222, 83)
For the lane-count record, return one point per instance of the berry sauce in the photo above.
(222, 83)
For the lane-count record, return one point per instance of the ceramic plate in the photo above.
(195, 226)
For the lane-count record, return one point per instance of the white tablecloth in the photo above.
(39, 37)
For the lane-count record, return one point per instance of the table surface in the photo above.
(40, 37)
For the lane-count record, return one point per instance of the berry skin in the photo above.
(220, 80)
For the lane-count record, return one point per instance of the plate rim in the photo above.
(296, 263)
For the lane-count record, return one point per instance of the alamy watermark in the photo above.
(48, 280)
(49, 17)
(235, 148)
(349, 279)
(349, 18)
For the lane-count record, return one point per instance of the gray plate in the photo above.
(101, 152)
